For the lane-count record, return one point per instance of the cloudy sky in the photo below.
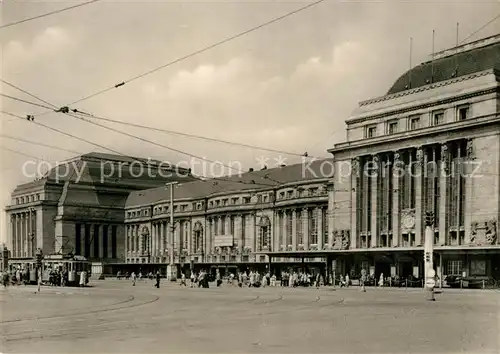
(288, 86)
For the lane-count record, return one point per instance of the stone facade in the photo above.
(234, 225)
(79, 211)
(432, 148)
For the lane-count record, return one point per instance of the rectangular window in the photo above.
(232, 225)
(243, 231)
(392, 127)
(371, 131)
(300, 230)
(438, 118)
(414, 123)
(463, 112)
(313, 226)
(223, 225)
(289, 221)
(454, 267)
(113, 241)
(324, 215)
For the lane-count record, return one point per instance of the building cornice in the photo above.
(410, 109)
(418, 133)
(244, 193)
(426, 88)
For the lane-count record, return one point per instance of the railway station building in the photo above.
(431, 143)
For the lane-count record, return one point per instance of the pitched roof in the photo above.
(262, 179)
(445, 68)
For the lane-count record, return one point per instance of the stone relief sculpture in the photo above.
(341, 239)
(470, 149)
(355, 166)
(491, 232)
(484, 232)
(420, 157)
(473, 231)
(445, 157)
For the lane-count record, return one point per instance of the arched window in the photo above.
(264, 233)
(198, 237)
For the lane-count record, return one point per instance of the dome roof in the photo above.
(447, 67)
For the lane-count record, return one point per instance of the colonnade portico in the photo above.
(391, 191)
(298, 228)
(23, 231)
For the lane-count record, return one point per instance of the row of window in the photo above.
(414, 122)
(28, 199)
(224, 202)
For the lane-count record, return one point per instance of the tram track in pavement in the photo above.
(122, 322)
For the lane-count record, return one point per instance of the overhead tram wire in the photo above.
(21, 153)
(66, 110)
(39, 144)
(199, 51)
(480, 29)
(25, 101)
(75, 111)
(28, 93)
(173, 132)
(159, 145)
(48, 14)
(140, 160)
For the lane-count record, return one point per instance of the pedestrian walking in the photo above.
(134, 278)
(158, 277)
(363, 280)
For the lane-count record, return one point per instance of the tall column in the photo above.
(279, 231)
(23, 233)
(294, 230)
(396, 199)
(11, 237)
(467, 170)
(305, 227)
(443, 193)
(178, 236)
(284, 234)
(375, 173)
(355, 171)
(253, 228)
(227, 225)
(29, 229)
(319, 227)
(419, 229)
(19, 237)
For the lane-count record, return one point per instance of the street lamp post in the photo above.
(172, 267)
(429, 273)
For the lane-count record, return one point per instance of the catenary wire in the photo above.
(199, 51)
(480, 29)
(66, 111)
(167, 131)
(161, 145)
(173, 132)
(25, 101)
(21, 153)
(39, 144)
(28, 93)
(140, 160)
(48, 14)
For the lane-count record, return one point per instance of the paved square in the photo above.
(115, 317)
